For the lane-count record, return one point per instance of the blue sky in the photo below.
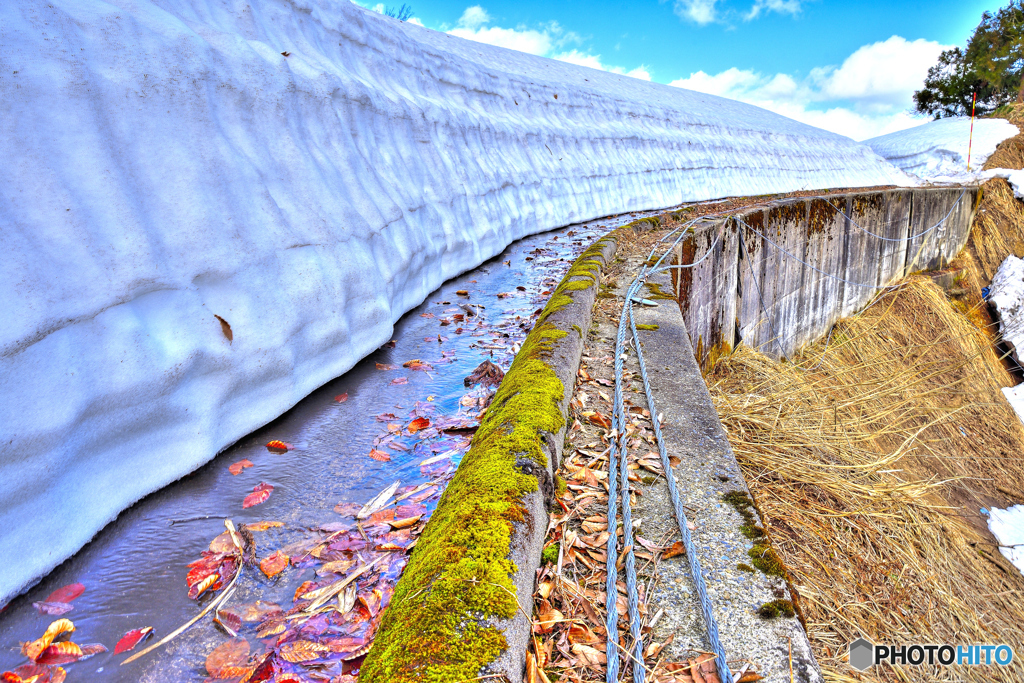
(850, 67)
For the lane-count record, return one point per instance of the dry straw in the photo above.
(869, 460)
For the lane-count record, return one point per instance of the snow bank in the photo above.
(937, 151)
(1008, 528)
(1006, 294)
(168, 168)
(1014, 177)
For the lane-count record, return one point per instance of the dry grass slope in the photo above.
(871, 454)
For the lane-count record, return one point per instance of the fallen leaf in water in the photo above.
(274, 564)
(386, 366)
(418, 424)
(131, 639)
(66, 594)
(399, 380)
(56, 628)
(259, 494)
(54, 609)
(403, 523)
(209, 582)
(60, 653)
(674, 550)
(222, 543)
(410, 363)
(379, 501)
(487, 373)
(348, 509)
(341, 398)
(379, 455)
(263, 526)
(302, 651)
(462, 292)
(237, 467)
(279, 447)
(229, 659)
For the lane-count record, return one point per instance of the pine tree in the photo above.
(992, 66)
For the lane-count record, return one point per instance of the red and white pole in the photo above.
(970, 143)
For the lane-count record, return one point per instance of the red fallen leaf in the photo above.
(379, 455)
(60, 653)
(29, 672)
(211, 582)
(229, 659)
(237, 467)
(673, 550)
(57, 675)
(131, 639)
(600, 420)
(263, 526)
(66, 594)
(54, 609)
(418, 424)
(263, 671)
(259, 494)
(91, 649)
(399, 380)
(279, 447)
(341, 398)
(306, 587)
(274, 564)
(11, 677)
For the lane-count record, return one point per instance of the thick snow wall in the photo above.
(782, 274)
(166, 168)
(939, 150)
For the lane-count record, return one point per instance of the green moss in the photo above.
(579, 331)
(657, 292)
(561, 486)
(648, 480)
(765, 558)
(649, 328)
(752, 531)
(744, 567)
(550, 554)
(460, 576)
(776, 608)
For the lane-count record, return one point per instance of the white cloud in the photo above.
(473, 18)
(780, 6)
(698, 11)
(868, 95)
(544, 41)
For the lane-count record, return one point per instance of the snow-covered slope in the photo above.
(937, 151)
(166, 168)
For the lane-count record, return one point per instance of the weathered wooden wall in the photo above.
(751, 290)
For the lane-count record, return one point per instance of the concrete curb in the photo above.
(402, 654)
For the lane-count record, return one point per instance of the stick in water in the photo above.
(213, 605)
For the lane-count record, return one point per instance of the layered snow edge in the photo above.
(949, 150)
(199, 231)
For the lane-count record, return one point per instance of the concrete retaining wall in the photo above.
(751, 290)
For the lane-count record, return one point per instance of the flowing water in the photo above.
(134, 570)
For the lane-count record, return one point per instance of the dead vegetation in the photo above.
(869, 458)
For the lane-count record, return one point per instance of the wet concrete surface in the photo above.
(134, 569)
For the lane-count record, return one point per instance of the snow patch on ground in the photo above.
(1014, 177)
(1006, 294)
(167, 168)
(1008, 528)
(937, 151)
